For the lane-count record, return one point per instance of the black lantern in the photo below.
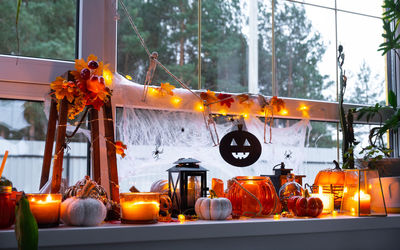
(279, 176)
(187, 182)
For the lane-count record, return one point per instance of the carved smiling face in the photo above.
(240, 148)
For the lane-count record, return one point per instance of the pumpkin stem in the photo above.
(213, 194)
(306, 194)
(84, 193)
(336, 165)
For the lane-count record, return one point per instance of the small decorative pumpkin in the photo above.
(240, 148)
(83, 210)
(98, 192)
(213, 208)
(160, 186)
(305, 206)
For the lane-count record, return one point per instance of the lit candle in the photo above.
(139, 207)
(45, 208)
(248, 202)
(140, 210)
(365, 202)
(327, 201)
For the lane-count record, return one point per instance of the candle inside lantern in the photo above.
(327, 201)
(365, 202)
(139, 207)
(45, 208)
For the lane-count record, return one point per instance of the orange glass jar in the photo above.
(252, 196)
(7, 207)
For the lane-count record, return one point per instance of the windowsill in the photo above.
(361, 233)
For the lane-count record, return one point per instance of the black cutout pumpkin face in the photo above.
(240, 148)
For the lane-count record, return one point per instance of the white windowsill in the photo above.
(332, 233)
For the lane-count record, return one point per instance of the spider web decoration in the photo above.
(141, 129)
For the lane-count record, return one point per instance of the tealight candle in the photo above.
(45, 208)
(139, 207)
(365, 202)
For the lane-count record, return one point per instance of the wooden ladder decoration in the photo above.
(58, 119)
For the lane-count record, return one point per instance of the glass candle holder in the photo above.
(7, 207)
(252, 196)
(140, 208)
(45, 208)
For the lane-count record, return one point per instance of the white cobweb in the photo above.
(184, 134)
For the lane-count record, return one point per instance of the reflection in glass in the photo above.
(47, 29)
(23, 129)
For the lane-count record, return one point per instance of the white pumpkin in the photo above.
(160, 186)
(213, 208)
(83, 210)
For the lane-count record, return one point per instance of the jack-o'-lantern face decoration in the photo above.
(240, 148)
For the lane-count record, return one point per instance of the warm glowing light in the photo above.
(108, 77)
(176, 100)
(303, 107)
(153, 91)
(245, 115)
(33, 199)
(181, 218)
(199, 107)
(320, 190)
(277, 217)
(284, 112)
(370, 186)
(345, 190)
(48, 198)
(327, 200)
(334, 213)
(353, 211)
(128, 77)
(222, 112)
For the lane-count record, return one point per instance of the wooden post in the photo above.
(60, 143)
(48, 149)
(111, 157)
(94, 131)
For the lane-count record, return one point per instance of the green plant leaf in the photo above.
(392, 99)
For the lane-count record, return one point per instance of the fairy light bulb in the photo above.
(176, 100)
(181, 218)
(108, 76)
(284, 112)
(128, 77)
(199, 107)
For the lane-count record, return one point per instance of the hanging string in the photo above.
(135, 28)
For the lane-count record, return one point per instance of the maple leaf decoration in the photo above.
(120, 148)
(226, 100)
(277, 103)
(245, 99)
(208, 97)
(166, 89)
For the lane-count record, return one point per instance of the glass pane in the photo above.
(47, 29)
(364, 65)
(325, 3)
(23, 131)
(370, 7)
(361, 134)
(225, 38)
(305, 51)
(170, 29)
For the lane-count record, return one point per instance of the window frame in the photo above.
(97, 34)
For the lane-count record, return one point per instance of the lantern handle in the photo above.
(282, 164)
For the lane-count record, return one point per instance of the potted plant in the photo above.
(377, 154)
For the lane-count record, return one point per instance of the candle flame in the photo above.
(33, 199)
(320, 190)
(48, 198)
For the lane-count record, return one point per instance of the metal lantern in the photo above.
(187, 182)
(280, 176)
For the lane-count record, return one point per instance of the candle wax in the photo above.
(45, 211)
(140, 210)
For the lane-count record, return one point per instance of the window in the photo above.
(47, 29)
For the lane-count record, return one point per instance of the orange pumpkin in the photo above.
(332, 181)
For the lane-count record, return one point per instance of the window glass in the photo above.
(23, 129)
(370, 7)
(325, 3)
(364, 66)
(305, 51)
(47, 29)
(169, 29)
